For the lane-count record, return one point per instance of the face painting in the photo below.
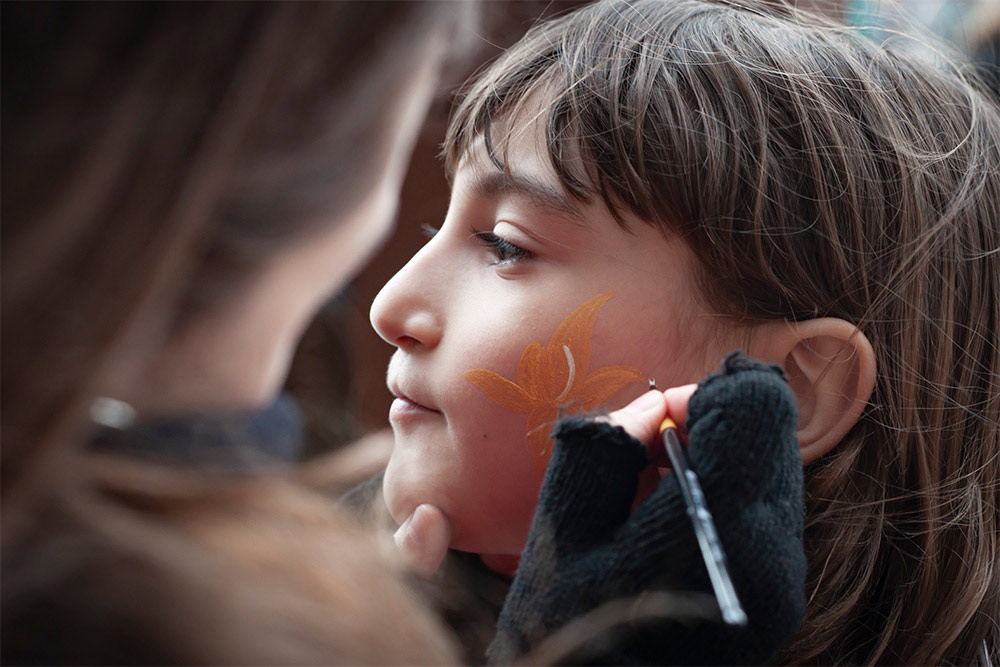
(517, 262)
(554, 380)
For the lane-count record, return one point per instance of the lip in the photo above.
(404, 407)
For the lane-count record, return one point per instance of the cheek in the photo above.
(474, 464)
(479, 463)
(673, 346)
(495, 490)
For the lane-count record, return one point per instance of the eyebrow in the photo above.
(539, 193)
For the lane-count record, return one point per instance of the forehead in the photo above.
(525, 179)
(514, 161)
(514, 139)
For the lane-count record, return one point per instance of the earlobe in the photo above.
(831, 368)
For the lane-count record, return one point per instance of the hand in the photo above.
(423, 539)
(642, 417)
(586, 548)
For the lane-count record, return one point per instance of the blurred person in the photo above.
(184, 186)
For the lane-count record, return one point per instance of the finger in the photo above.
(424, 538)
(641, 418)
(677, 402)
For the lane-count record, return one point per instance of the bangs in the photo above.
(533, 82)
(614, 115)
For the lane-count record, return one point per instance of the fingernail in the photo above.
(403, 531)
(649, 401)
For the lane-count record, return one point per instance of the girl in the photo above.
(640, 187)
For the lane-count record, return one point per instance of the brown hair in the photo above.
(153, 155)
(814, 173)
(130, 563)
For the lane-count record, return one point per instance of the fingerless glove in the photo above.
(586, 548)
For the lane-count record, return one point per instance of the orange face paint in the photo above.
(555, 378)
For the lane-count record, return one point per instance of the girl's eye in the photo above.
(505, 251)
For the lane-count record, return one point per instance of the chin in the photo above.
(473, 529)
(399, 499)
(406, 485)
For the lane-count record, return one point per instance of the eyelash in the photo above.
(505, 251)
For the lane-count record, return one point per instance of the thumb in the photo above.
(641, 418)
(677, 402)
(423, 539)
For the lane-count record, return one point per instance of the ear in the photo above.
(831, 368)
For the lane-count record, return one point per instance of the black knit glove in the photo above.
(586, 548)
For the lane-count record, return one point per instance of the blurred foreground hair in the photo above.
(155, 156)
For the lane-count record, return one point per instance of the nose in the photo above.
(407, 312)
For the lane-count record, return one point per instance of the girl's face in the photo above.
(515, 259)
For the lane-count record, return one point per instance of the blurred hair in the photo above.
(146, 565)
(155, 156)
(814, 173)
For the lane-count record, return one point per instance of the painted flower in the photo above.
(554, 379)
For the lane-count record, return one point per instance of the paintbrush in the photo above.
(704, 527)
